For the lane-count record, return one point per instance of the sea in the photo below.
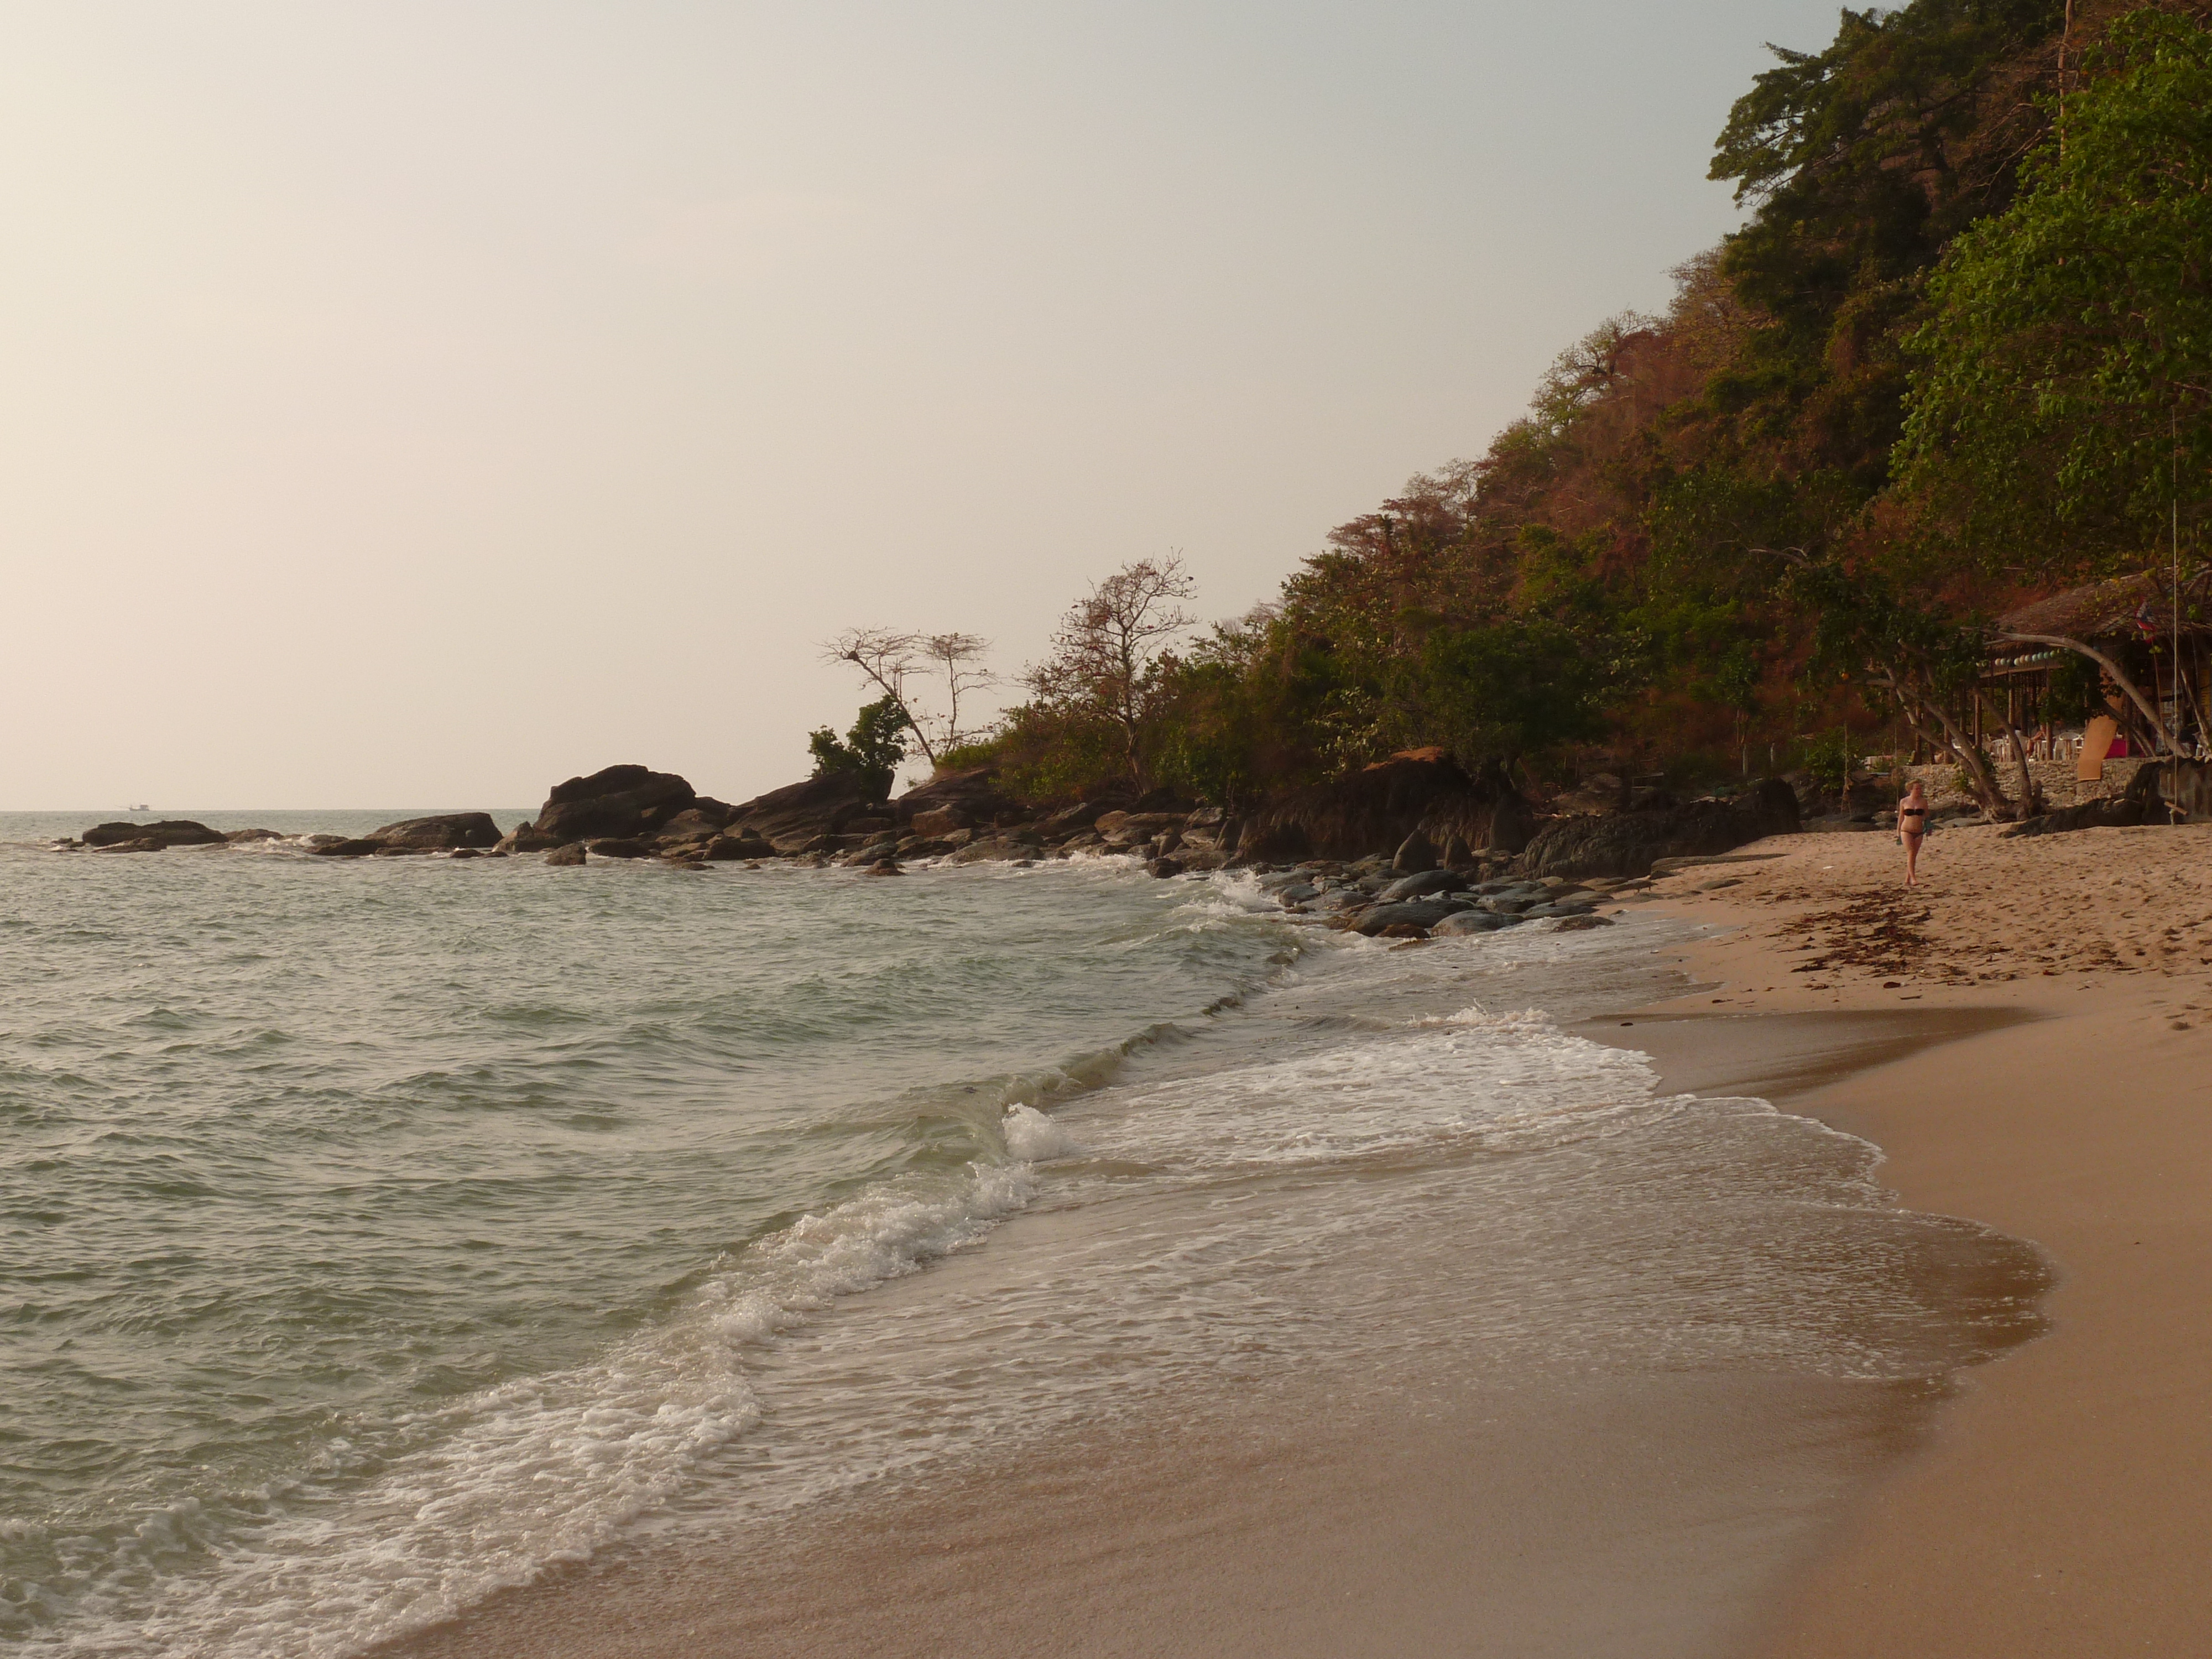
(378, 1235)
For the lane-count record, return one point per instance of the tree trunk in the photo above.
(2029, 803)
(1970, 760)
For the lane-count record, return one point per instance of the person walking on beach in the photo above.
(1912, 829)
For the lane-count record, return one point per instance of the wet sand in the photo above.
(2062, 1506)
(1409, 1510)
(2051, 1502)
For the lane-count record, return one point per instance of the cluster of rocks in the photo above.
(1627, 844)
(1370, 897)
(1416, 815)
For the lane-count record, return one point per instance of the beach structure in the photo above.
(2154, 657)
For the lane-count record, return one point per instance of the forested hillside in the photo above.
(1959, 355)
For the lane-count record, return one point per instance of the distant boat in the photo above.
(140, 807)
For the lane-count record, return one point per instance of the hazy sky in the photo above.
(414, 404)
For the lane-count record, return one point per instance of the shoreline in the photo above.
(2043, 1503)
(2057, 1505)
(1326, 1530)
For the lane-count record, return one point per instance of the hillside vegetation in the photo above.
(1959, 355)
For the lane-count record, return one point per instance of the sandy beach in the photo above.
(2025, 1038)
(2060, 1506)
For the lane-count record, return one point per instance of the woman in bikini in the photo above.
(1911, 830)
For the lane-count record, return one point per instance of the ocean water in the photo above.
(376, 1234)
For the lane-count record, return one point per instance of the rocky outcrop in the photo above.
(973, 801)
(621, 801)
(169, 832)
(445, 830)
(238, 837)
(795, 815)
(567, 856)
(1371, 813)
(2143, 803)
(1627, 843)
(350, 846)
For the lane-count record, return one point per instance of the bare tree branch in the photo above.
(959, 659)
(888, 658)
(1108, 643)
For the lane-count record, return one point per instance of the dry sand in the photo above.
(2064, 1504)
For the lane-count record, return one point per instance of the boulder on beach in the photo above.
(443, 830)
(168, 832)
(1629, 843)
(617, 801)
(1424, 914)
(2143, 803)
(1470, 921)
(1422, 885)
(728, 848)
(1372, 812)
(973, 796)
(349, 847)
(791, 817)
(697, 822)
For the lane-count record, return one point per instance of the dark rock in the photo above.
(1166, 799)
(618, 847)
(1468, 922)
(238, 836)
(1163, 868)
(1131, 829)
(1581, 924)
(1421, 886)
(1415, 855)
(524, 838)
(728, 847)
(941, 821)
(1071, 820)
(885, 867)
(1402, 930)
(445, 829)
(2143, 803)
(1628, 843)
(169, 832)
(1373, 811)
(385, 850)
(975, 795)
(695, 823)
(619, 801)
(567, 854)
(793, 818)
(134, 847)
(356, 847)
(468, 853)
(1420, 912)
(316, 841)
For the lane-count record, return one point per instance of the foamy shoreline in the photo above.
(1315, 1529)
(2059, 1508)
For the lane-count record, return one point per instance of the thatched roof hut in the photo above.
(2140, 606)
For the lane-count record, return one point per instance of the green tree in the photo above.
(2070, 351)
(872, 749)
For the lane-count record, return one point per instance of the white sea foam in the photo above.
(1486, 1080)
(547, 1469)
(1036, 1138)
